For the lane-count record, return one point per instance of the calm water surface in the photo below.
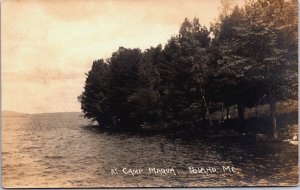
(61, 150)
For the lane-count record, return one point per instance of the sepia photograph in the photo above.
(149, 93)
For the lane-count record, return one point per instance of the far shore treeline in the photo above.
(248, 57)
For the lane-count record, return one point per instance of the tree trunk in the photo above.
(222, 118)
(99, 123)
(241, 113)
(273, 117)
(206, 105)
(227, 112)
(256, 112)
(272, 104)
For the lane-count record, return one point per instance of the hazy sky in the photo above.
(48, 45)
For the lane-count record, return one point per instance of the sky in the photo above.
(47, 46)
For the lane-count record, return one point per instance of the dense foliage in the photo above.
(248, 57)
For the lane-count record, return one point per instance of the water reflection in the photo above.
(63, 151)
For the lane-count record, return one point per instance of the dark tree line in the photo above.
(248, 57)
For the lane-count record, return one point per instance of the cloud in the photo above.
(47, 45)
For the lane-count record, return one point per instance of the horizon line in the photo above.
(2, 111)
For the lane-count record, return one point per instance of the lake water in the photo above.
(62, 150)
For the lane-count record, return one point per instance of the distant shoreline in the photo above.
(6, 112)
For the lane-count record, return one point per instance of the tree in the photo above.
(95, 95)
(146, 98)
(255, 57)
(230, 85)
(124, 66)
(277, 57)
(251, 56)
(182, 74)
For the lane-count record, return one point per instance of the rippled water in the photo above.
(62, 150)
